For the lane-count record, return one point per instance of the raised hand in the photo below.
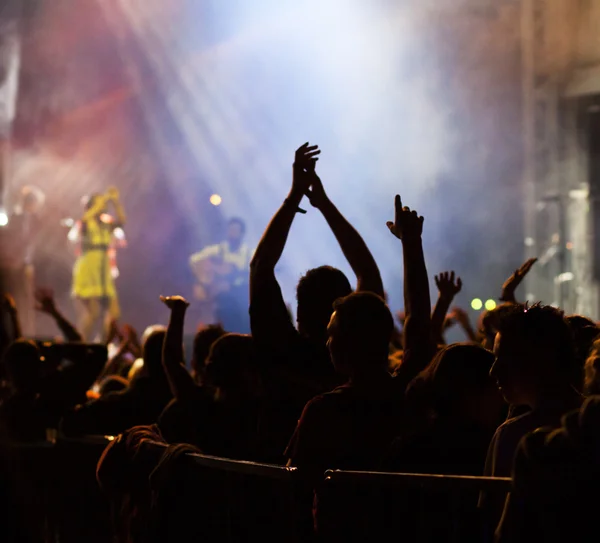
(44, 301)
(315, 192)
(460, 315)
(305, 160)
(407, 223)
(175, 302)
(510, 285)
(447, 286)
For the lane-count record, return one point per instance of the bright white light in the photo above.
(3, 218)
(215, 200)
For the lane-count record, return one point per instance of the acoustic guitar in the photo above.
(214, 277)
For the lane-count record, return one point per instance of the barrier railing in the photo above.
(229, 500)
(422, 480)
(367, 506)
(241, 501)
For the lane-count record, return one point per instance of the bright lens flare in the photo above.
(215, 200)
(476, 304)
(3, 218)
(490, 305)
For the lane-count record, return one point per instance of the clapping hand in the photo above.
(447, 286)
(315, 192)
(305, 160)
(407, 223)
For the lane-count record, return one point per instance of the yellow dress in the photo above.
(92, 277)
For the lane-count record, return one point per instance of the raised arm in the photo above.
(418, 344)
(270, 248)
(353, 246)
(112, 195)
(269, 319)
(45, 303)
(462, 317)
(510, 285)
(448, 288)
(181, 382)
(98, 206)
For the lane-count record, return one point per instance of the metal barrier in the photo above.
(244, 467)
(420, 480)
(224, 500)
(240, 501)
(369, 506)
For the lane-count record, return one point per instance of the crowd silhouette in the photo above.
(349, 386)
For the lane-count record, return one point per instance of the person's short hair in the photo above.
(365, 321)
(488, 321)
(203, 341)
(584, 332)
(239, 221)
(317, 290)
(230, 358)
(540, 328)
(152, 347)
(455, 371)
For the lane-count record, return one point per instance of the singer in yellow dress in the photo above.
(93, 281)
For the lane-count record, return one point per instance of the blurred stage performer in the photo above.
(20, 258)
(97, 235)
(221, 273)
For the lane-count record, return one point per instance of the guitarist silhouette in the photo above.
(221, 273)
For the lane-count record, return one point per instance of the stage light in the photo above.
(3, 218)
(215, 200)
(476, 304)
(490, 305)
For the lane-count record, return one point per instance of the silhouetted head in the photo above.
(316, 292)
(203, 341)
(584, 332)
(591, 381)
(23, 364)
(534, 354)
(359, 332)
(229, 364)
(152, 348)
(457, 383)
(236, 229)
(488, 324)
